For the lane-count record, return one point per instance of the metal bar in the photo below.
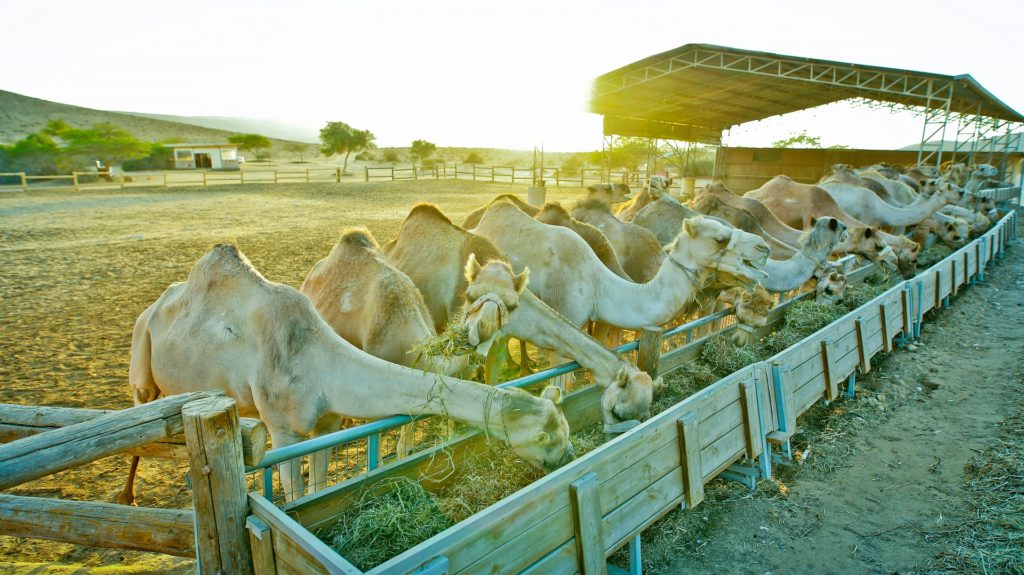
(780, 398)
(851, 384)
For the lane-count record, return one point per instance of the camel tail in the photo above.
(140, 374)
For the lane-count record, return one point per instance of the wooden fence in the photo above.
(574, 518)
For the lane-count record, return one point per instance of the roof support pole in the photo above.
(967, 131)
(936, 117)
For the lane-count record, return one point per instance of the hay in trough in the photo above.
(933, 255)
(453, 341)
(873, 286)
(722, 356)
(378, 527)
(801, 320)
(484, 479)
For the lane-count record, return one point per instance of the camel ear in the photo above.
(591, 189)
(814, 220)
(869, 232)
(691, 229)
(833, 224)
(658, 384)
(519, 282)
(552, 393)
(950, 226)
(473, 268)
(541, 438)
(622, 377)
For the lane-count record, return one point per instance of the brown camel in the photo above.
(638, 249)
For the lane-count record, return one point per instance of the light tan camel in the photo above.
(656, 187)
(902, 193)
(871, 210)
(554, 214)
(664, 218)
(637, 248)
(844, 174)
(373, 305)
(751, 309)
(474, 217)
(558, 259)
(814, 247)
(264, 344)
(950, 230)
(978, 221)
(796, 204)
(752, 213)
(424, 251)
(608, 194)
(709, 203)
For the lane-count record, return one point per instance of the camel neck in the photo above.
(534, 321)
(785, 275)
(910, 215)
(630, 305)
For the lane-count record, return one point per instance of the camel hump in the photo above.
(358, 237)
(554, 208)
(429, 211)
(224, 259)
(593, 204)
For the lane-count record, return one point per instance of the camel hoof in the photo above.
(126, 499)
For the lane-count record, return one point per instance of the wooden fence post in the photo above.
(165, 178)
(649, 351)
(337, 175)
(586, 506)
(204, 179)
(74, 180)
(218, 485)
(24, 182)
(275, 175)
(307, 175)
(366, 174)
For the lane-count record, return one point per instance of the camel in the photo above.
(554, 214)
(869, 209)
(568, 277)
(751, 309)
(830, 284)
(656, 188)
(950, 230)
(608, 194)
(754, 214)
(638, 249)
(844, 173)
(474, 217)
(796, 204)
(814, 248)
(896, 174)
(712, 205)
(428, 249)
(901, 193)
(977, 220)
(264, 344)
(373, 305)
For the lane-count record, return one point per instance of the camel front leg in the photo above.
(495, 360)
(290, 471)
(321, 459)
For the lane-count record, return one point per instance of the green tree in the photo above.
(255, 143)
(34, 154)
(390, 156)
(421, 150)
(572, 164)
(105, 142)
(801, 140)
(340, 138)
(473, 158)
(297, 149)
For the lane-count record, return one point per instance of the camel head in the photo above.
(629, 396)
(493, 292)
(658, 185)
(949, 192)
(957, 172)
(751, 307)
(736, 257)
(867, 242)
(608, 193)
(830, 285)
(984, 171)
(951, 230)
(825, 232)
(536, 429)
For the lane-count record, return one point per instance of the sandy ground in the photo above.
(77, 269)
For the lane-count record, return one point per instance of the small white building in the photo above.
(212, 156)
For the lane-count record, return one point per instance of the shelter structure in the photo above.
(211, 156)
(696, 91)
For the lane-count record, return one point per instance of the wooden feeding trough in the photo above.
(574, 518)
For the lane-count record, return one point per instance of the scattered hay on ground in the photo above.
(377, 528)
(990, 539)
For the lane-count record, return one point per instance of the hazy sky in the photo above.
(474, 73)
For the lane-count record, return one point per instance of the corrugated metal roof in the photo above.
(701, 89)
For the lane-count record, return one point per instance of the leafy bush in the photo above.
(390, 156)
(473, 158)
(160, 158)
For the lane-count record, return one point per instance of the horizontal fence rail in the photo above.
(580, 514)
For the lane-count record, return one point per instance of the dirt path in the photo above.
(879, 495)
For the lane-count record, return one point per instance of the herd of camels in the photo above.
(345, 346)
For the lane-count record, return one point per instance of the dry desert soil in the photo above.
(879, 490)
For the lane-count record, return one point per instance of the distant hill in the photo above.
(23, 115)
(266, 126)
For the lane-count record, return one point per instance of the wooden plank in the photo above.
(689, 457)
(751, 421)
(53, 451)
(906, 315)
(20, 421)
(831, 384)
(295, 547)
(586, 508)
(716, 457)
(862, 352)
(884, 328)
(649, 350)
(98, 524)
(218, 484)
(262, 544)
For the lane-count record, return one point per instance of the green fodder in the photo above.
(683, 383)
(448, 344)
(483, 479)
(722, 356)
(990, 539)
(872, 287)
(801, 320)
(933, 255)
(378, 527)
